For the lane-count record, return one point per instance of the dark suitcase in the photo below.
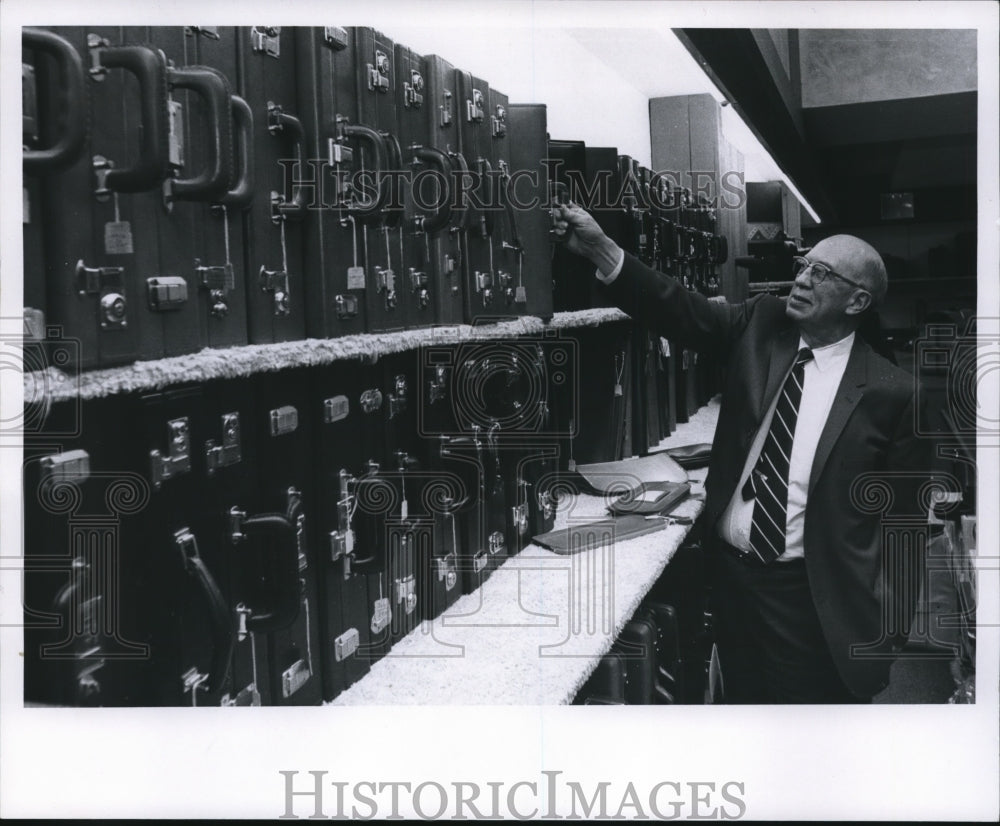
(637, 645)
(80, 645)
(272, 533)
(527, 198)
(276, 299)
(669, 681)
(97, 270)
(572, 286)
(448, 263)
(481, 289)
(327, 100)
(606, 685)
(387, 296)
(221, 268)
(510, 293)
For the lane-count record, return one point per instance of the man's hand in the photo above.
(584, 237)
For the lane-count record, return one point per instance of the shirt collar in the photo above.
(828, 355)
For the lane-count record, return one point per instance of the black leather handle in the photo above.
(211, 85)
(223, 630)
(441, 216)
(377, 146)
(280, 122)
(152, 163)
(241, 194)
(286, 579)
(72, 113)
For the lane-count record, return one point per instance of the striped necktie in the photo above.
(769, 480)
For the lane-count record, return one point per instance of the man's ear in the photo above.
(858, 302)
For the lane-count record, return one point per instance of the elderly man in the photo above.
(806, 607)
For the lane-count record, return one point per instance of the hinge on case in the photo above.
(178, 459)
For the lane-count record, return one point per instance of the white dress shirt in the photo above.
(821, 380)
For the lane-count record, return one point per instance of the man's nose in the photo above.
(804, 278)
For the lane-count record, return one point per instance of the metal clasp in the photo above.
(346, 644)
(474, 108)
(284, 420)
(378, 74)
(276, 282)
(178, 460)
(347, 306)
(266, 39)
(168, 292)
(229, 452)
(219, 280)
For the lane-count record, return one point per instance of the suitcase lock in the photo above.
(335, 37)
(266, 39)
(406, 593)
(378, 74)
(439, 384)
(546, 503)
(108, 283)
(446, 571)
(385, 282)
(397, 399)
(496, 542)
(445, 109)
(499, 122)
(72, 466)
(475, 111)
(371, 400)
(276, 282)
(418, 285)
(412, 91)
(218, 280)
(479, 562)
(504, 278)
(229, 452)
(168, 292)
(484, 285)
(284, 420)
(347, 306)
(178, 460)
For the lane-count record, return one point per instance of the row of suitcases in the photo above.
(190, 187)
(265, 539)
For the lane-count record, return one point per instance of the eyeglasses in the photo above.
(819, 272)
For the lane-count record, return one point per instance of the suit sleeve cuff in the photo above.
(611, 276)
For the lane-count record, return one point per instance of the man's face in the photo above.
(822, 307)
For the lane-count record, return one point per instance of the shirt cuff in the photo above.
(611, 276)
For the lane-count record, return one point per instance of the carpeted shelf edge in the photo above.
(53, 385)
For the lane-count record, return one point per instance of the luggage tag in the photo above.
(118, 235)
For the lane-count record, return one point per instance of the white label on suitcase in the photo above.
(118, 238)
(355, 278)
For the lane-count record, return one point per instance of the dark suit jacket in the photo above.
(867, 455)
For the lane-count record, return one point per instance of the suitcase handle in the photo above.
(394, 158)
(377, 145)
(241, 194)
(153, 158)
(287, 585)
(515, 238)
(458, 160)
(223, 631)
(280, 122)
(213, 87)
(485, 170)
(441, 216)
(71, 82)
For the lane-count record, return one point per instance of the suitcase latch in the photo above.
(496, 542)
(178, 458)
(413, 91)
(168, 292)
(475, 111)
(499, 120)
(371, 400)
(479, 561)
(276, 283)
(335, 37)
(406, 593)
(219, 280)
(439, 384)
(446, 572)
(378, 73)
(385, 282)
(293, 678)
(71, 466)
(335, 409)
(445, 109)
(192, 682)
(347, 306)
(266, 39)
(520, 516)
(397, 399)
(346, 644)
(381, 615)
(108, 283)
(229, 452)
(248, 696)
(284, 420)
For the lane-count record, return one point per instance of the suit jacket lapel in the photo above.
(783, 350)
(849, 393)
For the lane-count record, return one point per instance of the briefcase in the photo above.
(637, 645)
(607, 684)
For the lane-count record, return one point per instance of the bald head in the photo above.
(855, 259)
